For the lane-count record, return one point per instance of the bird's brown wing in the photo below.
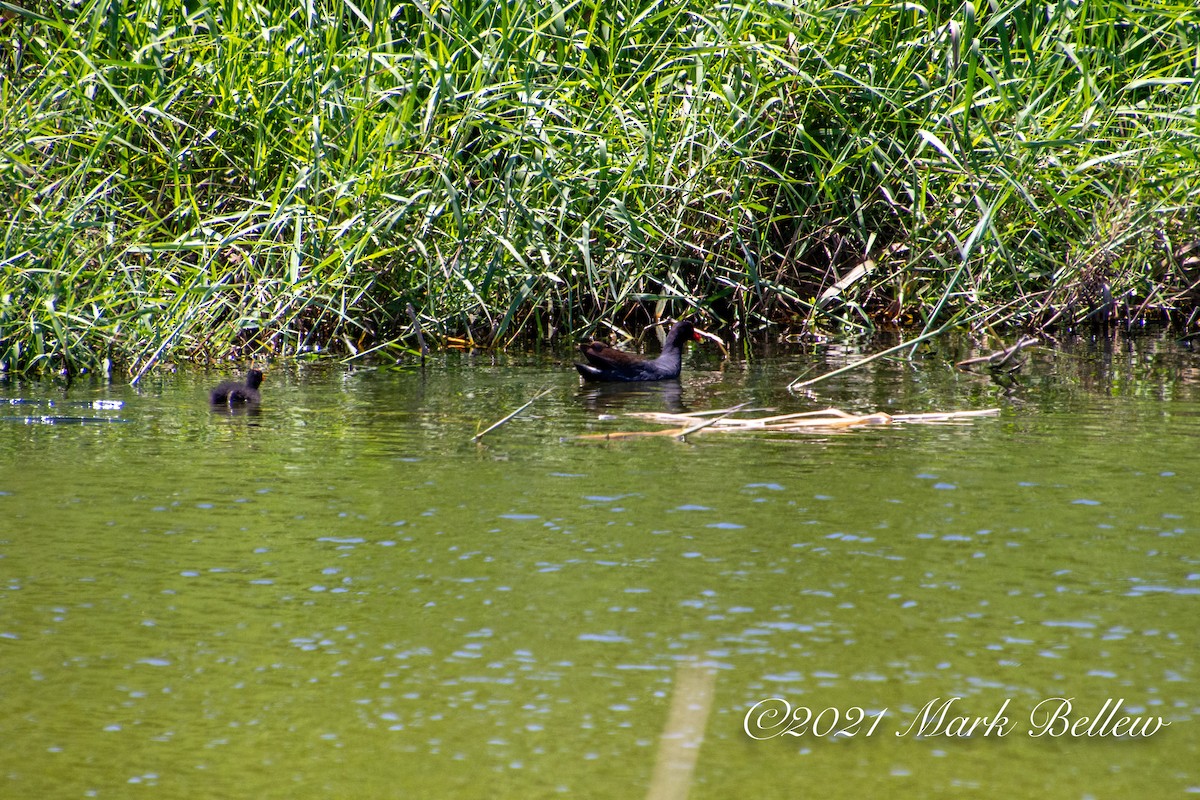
(601, 355)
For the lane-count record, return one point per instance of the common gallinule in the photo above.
(608, 364)
(230, 392)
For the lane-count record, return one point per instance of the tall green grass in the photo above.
(203, 179)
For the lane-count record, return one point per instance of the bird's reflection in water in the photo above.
(616, 398)
(250, 411)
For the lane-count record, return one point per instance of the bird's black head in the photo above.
(682, 332)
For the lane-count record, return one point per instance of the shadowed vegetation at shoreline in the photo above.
(218, 178)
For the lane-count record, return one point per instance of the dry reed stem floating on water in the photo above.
(824, 420)
(679, 745)
(799, 384)
(713, 420)
(495, 425)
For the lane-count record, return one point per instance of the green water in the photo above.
(344, 596)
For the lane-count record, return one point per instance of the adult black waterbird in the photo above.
(609, 364)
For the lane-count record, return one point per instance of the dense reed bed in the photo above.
(201, 179)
